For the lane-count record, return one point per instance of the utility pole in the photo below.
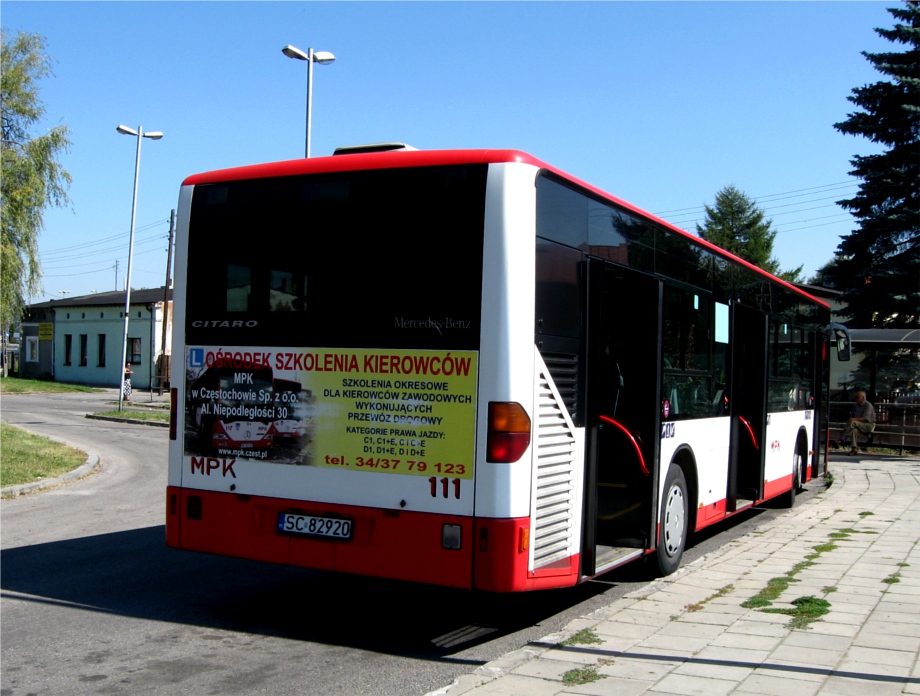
(116, 275)
(169, 248)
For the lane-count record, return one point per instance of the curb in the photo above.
(117, 419)
(89, 467)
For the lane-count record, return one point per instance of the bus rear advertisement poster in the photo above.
(389, 411)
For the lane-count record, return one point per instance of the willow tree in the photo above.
(32, 177)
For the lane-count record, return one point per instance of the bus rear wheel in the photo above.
(673, 526)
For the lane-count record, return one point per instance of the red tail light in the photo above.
(509, 432)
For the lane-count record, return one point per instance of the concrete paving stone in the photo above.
(671, 643)
(886, 641)
(901, 628)
(881, 656)
(650, 606)
(846, 615)
(849, 594)
(757, 628)
(576, 654)
(611, 685)
(847, 630)
(545, 668)
(714, 618)
(766, 617)
(899, 604)
(688, 628)
(809, 640)
(847, 686)
(514, 685)
(825, 658)
(748, 642)
(713, 670)
(871, 671)
(893, 617)
(761, 682)
(634, 615)
(742, 657)
(625, 631)
(648, 668)
(688, 685)
(580, 624)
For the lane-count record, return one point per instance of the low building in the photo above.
(79, 340)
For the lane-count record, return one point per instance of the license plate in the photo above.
(311, 525)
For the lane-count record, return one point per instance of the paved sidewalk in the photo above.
(855, 545)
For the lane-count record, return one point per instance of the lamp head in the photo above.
(294, 52)
(126, 131)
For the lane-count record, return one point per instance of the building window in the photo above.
(134, 350)
(31, 348)
(84, 349)
(68, 348)
(101, 344)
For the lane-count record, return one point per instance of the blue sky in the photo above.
(661, 104)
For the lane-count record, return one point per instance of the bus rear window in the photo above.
(386, 258)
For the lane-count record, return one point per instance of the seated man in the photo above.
(862, 420)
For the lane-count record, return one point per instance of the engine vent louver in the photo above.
(554, 494)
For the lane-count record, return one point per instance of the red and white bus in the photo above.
(518, 380)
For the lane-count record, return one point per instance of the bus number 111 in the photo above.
(445, 487)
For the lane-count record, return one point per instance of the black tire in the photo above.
(787, 499)
(674, 522)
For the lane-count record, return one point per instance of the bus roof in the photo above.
(395, 159)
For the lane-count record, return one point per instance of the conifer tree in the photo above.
(877, 266)
(736, 224)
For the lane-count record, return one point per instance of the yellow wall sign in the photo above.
(46, 331)
(387, 411)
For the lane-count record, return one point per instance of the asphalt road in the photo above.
(94, 603)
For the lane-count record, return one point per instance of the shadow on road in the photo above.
(134, 574)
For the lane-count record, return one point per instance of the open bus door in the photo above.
(622, 416)
(747, 406)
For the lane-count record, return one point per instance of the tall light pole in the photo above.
(140, 135)
(321, 57)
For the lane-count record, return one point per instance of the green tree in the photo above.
(736, 224)
(877, 266)
(32, 177)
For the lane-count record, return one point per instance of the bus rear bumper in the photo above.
(392, 544)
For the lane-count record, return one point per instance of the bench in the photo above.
(885, 435)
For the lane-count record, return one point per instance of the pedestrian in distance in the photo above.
(861, 420)
(126, 385)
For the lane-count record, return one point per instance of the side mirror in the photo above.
(840, 336)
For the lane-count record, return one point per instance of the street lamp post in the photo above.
(139, 134)
(321, 57)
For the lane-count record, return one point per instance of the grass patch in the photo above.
(157, 415)
(27, 458)
(805, 610)
(892, 579)
(584, 675)
(775, 587)
(866, 514)
(15, 385)
(586, 636)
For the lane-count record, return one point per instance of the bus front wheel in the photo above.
(673, 527)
